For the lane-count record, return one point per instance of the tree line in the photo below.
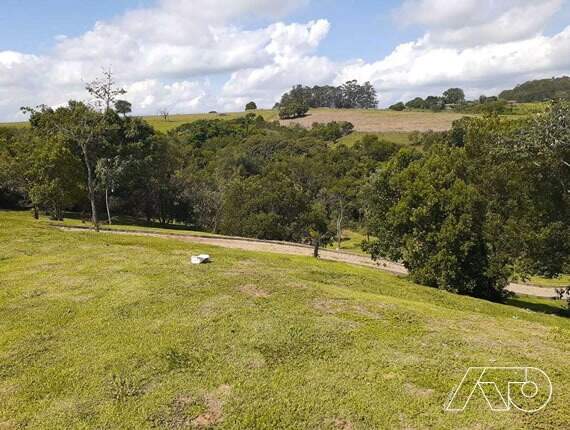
(476, 206)
(350, 95)
(539, 90)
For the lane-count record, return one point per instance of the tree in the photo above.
(417, 103)
(108, 171)
(332, 131)
(316, 225)
(350, 95)
(80, 126)
(291, 108)
(104, 91)
(123, 107)
(436, 104)
(425, 213)
(164, 113)
(539, 90)
(454, 96)
(398, 107)
(251, 106)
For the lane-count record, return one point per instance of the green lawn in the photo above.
(108, 331)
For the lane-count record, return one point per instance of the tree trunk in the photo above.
(317, 244)
(107, 205)
(36, 212)
(91, 188)
(339, 227)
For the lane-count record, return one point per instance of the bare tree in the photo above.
(164, 113)
(104, 90)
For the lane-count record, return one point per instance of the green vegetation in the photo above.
(479, 203)
(400, 138)
(351, 242)
(468, 211)
(350, 95)
(251, 106)
(557, 282)
(175, 121)
(539, 90)
(108, 331)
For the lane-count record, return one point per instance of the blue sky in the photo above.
(32, 28)
(194, 55)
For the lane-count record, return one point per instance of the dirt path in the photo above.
(305, 250)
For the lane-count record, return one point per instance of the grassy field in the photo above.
(364, 120)
(388, 125)
(381, 121)
(559, 282)
(109, 331)
(351, 241)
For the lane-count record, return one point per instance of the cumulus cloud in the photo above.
(165, 51)
(478, 22)
(197, 55)
(482, 46)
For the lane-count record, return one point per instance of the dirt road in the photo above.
(298, 249)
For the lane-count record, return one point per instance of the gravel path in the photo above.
(298, 249)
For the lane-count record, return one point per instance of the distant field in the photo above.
(390, 125)
(384, 121)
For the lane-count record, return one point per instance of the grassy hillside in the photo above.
(109, 331)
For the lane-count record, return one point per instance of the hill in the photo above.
(539, 90)
(109, 331)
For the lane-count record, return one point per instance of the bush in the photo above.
(292, 109)
(417, 103)
(251, 106)
(333, 131)
(398, 107)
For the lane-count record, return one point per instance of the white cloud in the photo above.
(170, 48)
(197, 55)
(478, 22)
(421, 66)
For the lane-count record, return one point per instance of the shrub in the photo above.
(398, 107)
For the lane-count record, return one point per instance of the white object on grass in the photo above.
(200, 259)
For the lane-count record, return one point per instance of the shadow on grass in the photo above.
(134, 222)
(545, 306)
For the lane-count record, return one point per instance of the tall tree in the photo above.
(80, 126)
(104, 90)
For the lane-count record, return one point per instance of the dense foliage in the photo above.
(486, 201)
(350, 95)
(539, 90)
(251, 106)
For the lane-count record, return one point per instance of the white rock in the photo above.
(200, 259)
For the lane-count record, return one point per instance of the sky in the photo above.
(190, 56)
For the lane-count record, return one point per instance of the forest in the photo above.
(466, 210)
(350, 95)
(539, 90)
